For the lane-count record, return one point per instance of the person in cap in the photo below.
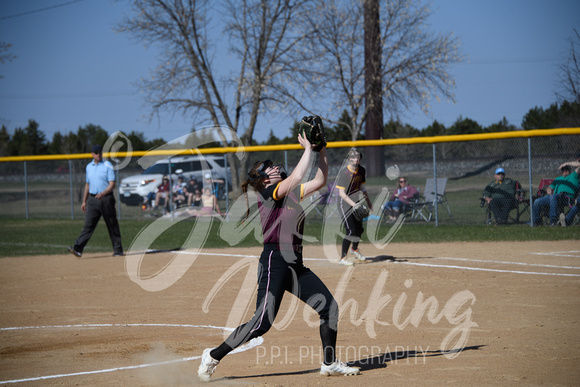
(213, 184)
(566, 220)
(99, 201)
(563, 191)
(179, 191)
(500, 195)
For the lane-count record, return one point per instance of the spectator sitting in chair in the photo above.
(162, 192)
(179, 191)
(500, 195)
(191, 189)
(566, 220)
(402, 196)
(562, 189)
(210, 206)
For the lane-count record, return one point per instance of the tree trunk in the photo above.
(373, 84)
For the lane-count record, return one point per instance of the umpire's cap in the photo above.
(97, 149)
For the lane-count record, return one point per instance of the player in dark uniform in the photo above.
(281, 267)
(350, 182)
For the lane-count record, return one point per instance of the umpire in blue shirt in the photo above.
(98, 200)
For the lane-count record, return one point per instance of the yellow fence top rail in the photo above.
(337, 144)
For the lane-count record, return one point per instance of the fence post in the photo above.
(169, 198)
(227, 179)
(436, 200)
(26, 189)
(530, 179)
(117, 185)
(70, 183)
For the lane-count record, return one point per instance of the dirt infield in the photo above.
(413, 314)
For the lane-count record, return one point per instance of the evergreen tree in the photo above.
(4, 141)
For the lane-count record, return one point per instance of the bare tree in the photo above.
(374, 123)
(570, 72)
(5, 54)
(414, 60)
(189, 82)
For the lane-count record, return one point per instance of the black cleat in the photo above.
(74, 252)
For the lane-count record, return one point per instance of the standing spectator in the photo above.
(98, 200)
(400, 199)
(350, 184)
(500, 195)
(213, 184)
(562, 189)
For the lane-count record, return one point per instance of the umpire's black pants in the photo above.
(96, 208)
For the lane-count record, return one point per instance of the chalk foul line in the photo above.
(251, 344)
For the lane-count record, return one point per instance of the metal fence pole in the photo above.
(26, 189)
(436, 200)
(117, 185)
(227, 179)
(169, 198)
(70, 182)
(530, 179)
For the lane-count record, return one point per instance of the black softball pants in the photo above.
(275, 277)
(353, 228)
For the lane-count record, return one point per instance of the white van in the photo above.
(134, 189)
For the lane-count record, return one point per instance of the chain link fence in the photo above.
(53, 189)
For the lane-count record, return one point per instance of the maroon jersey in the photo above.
(351, 179)
(282, 218)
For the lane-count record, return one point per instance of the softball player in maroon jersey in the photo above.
(281, 267)
(349, 183)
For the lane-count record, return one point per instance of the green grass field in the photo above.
(44, 237)
(49, 229)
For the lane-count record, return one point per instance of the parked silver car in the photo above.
(134, 189)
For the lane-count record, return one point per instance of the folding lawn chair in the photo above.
(567, 201)
(425, 207)
(521, 204)
(544, 183)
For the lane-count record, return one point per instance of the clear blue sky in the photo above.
(72, 69)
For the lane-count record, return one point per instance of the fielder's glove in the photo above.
(311, 127)
(360, 211)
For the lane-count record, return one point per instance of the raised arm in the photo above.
(321, 176)
(571, 164)
(286, 186)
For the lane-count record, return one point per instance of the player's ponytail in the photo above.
(256, 177)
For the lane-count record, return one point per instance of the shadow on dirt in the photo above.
(375, 362)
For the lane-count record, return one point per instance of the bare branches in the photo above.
(261, 34)
(570, 72)
(5, 55)
(414, 60)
